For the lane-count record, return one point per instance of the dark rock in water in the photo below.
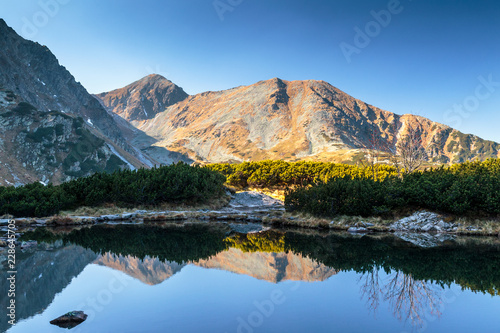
(70, 319)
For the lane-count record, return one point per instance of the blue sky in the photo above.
(435, 58)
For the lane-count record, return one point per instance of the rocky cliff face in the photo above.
(295, 120)
(33, 74)
(49, 146)
(143, 99)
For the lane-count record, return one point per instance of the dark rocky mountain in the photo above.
(33, 75)
(143, 99)
(50, 146)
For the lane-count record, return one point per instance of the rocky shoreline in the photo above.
(256, 209)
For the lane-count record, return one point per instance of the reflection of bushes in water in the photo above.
(40, 235)
(179, 244)
(473, 267)
(270, 241)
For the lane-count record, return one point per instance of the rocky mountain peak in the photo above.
(143, 99)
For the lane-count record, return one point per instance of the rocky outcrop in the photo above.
(143, 99)
(294, 120)
(423, 221)
(49, 146)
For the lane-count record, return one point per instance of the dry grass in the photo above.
(303, 220)
(489, 227)
(113, 209)
(96, 211)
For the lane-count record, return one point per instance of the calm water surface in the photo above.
(208, 279)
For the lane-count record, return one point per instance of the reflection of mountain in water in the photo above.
(41, 274)
(148, 270)
(272, 267)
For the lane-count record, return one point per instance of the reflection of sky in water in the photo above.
(209, 300)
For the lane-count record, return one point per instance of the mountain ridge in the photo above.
(297, 120)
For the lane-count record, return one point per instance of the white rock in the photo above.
(357, 230)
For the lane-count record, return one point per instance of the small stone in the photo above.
(427, 227)
(356, 230)
(436, 228)
(128, 216)
(114, 217)
(443, 224)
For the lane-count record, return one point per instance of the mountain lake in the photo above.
(204, 277)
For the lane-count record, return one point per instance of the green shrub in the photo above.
(41, 134)
(178, 183)
(24, 108)
(279, 173)
(471, 188)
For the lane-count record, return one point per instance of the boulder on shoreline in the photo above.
(252, 199)
(423, 221)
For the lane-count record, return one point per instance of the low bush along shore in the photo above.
(173, 184)
(316, 193)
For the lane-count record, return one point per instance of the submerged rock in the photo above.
(70, 319)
